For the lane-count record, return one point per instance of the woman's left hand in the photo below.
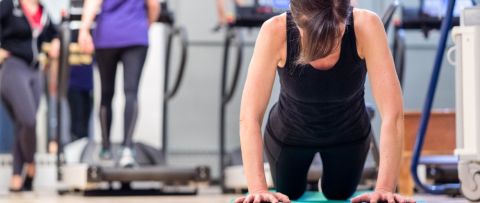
(55, 49)
(381, 195)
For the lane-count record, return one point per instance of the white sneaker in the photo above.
(104, 157)
(127, 160)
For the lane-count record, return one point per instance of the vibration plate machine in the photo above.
(152, 176)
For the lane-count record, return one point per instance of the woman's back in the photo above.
(121, 23)
(321, 107)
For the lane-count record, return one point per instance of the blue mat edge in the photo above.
(317, 197)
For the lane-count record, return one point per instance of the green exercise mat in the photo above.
(318, 197)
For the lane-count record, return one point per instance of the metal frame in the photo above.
(62, 86)
(233, 33)
(446, 26)
(169, 94)
(399, 50)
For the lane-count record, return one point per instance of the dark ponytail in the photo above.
(320, 22)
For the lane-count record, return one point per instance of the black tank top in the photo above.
(321, 108)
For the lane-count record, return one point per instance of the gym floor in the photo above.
(210, 195)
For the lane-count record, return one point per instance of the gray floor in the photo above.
(209, 195)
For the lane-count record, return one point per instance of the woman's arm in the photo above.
(372, 40)
(256, 95)
(90, 8)
(153, 10)
(222, 19)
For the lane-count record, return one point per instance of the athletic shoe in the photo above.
(127, 160)
(106, 157)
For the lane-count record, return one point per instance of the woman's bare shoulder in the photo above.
(365, 21)
(368, 26)
(275, 29)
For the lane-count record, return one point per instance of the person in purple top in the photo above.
(121, 34)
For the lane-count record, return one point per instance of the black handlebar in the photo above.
(182, 32)
(226, 96)
(387, 16)
(399, 41)
(399, 49)
(166, 16)
(232, 34)
(62, 86)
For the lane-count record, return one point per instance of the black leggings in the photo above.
(20, 94)
(81, 103)
(133, 58)
(342, 168)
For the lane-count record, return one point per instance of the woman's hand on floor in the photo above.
(264, 196)
(381, 195)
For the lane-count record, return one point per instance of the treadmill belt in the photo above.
(150, 173)
(151, 192)
(318, 197)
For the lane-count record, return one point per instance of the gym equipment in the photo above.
(318, 197)
(425, 18)
(233, 178)
(467, 52)
(451, 189)
(429, 15)
(442, 169)
(92, 178)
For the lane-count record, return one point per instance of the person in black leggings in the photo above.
(133, 59)
(322, 51)
(121, 34)
(25, 25)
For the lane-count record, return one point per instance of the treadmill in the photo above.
(232, 178)
(153, 176)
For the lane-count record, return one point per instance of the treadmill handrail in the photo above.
(166, 16)
(388, 14)
(399, 49)
(62, 86)
(182, 32)
(227, 95)
(446, 26)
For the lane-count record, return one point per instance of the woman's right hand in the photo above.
(264, 196)
(85, 41)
